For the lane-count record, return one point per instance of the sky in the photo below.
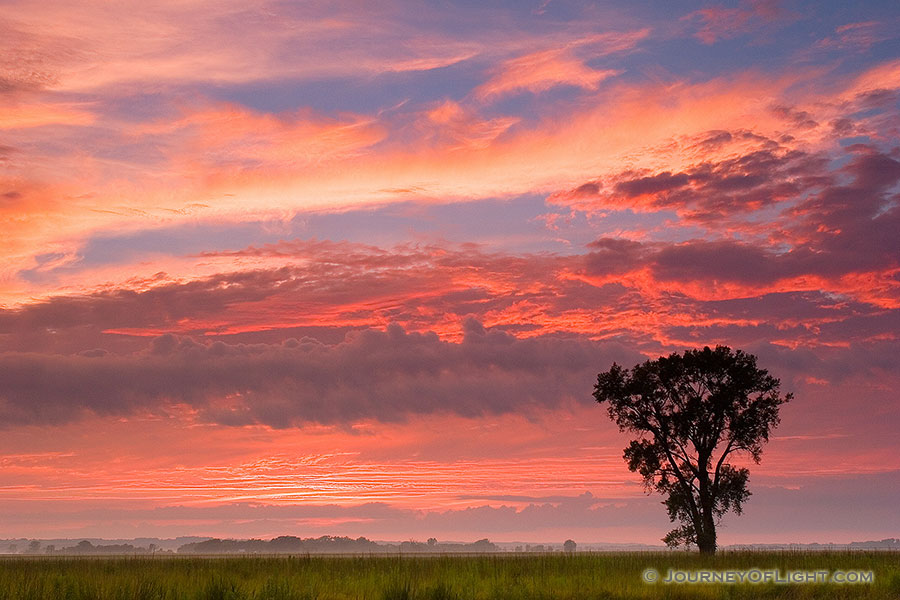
(351, 268)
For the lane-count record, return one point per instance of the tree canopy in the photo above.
(693, 413)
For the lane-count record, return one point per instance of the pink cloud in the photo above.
(719, 22)
(540, 71)
(858, 36)
(223, 162)
(224, 135)
(544, 69)
(449, 476)
(451, 123)
(120, 48)
(433, 475)
(19, 116)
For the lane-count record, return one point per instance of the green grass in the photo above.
(503, 576)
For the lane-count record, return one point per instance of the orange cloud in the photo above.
(92, 48)
(223, 162)
(461, 129)
(541, 71)
(27, 115)
(233, 135)
(618, 129)
(885, 76)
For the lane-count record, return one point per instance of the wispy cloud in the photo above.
(719, 22)
(541, 71)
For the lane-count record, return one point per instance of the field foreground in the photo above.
(502, 576)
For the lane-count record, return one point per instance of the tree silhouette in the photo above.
(693, 412)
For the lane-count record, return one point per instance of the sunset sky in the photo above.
(352, 268)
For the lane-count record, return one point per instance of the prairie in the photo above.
(496, 576)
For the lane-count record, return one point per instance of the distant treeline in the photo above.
(344, 545)
(885, 544)
(327, 544)
(87, 548)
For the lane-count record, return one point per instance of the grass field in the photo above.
(503, 576)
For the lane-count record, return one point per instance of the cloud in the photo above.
(762, 173)
(39, 115)
(770, 516)
(320, 288)
(719, 22)
(232, 135)
(540, 71)
(823, 517)
(376, 520)
(225, 42)
(773, 216)
(217, 162)
(726, 260)
(859, 36)
(68, 357)
(299, 283)
(383, 375)
(661, 182)
(31, 59)
(460, 128)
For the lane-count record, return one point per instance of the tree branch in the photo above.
(719, 464)
(688, 487)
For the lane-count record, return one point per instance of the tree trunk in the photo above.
(706, 533)
(707, 543)
(706, 536)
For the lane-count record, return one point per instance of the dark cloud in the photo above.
(613, 255)
(714, 192)
(873, 359)
(873, 170)
(712, 140)
(587, 190)
(879, 99)
(802, 317)
(350, 283)
(662, 182)
(156, 306)
(834, 224)
(717, 261)
(419, 288)
(799, 118)
(720, 192)
(842, 127)
(853, 227)
(383, 375)
(844, 220)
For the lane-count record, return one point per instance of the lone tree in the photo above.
(693, 413)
